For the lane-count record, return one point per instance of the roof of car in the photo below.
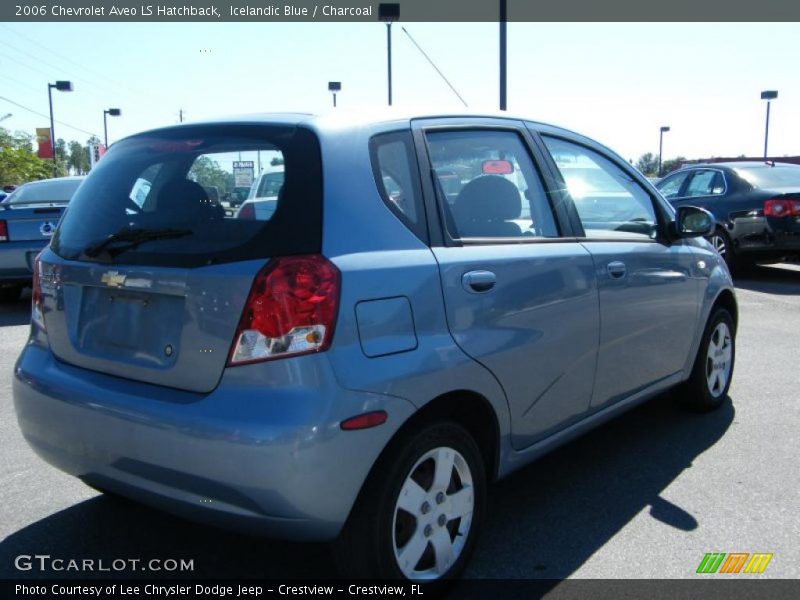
(353, 118)
(740, 164)
(68, 178)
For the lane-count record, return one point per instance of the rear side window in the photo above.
(706, 182)
(609, 202)
(164, 199)
(397, 178)
(488, 186)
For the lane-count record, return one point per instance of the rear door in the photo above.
(147, 275)
(519, 291)
(649, 289)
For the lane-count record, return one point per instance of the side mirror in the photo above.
(691, 221)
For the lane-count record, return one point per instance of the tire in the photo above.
(404, 509)
(10, 292)
(712, 373)
(722, 244)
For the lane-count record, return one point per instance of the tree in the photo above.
(673, 163)
(648, 164)
(208, 173)
(18, 163)
(78, 158)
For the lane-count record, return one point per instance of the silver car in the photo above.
(359, 365)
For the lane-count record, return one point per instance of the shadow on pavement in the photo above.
(783, 280)
(544, 521)
(550, 518)
(17, 312)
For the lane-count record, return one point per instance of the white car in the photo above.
(263, 197)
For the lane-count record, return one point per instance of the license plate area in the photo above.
(142, 329)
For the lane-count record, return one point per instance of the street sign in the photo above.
(243, 173)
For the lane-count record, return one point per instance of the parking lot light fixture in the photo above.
(389, 13)
(114, 112)
(333, 87)
(61, 86)
(661, 133)
(767, 95)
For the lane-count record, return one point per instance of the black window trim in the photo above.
(420, 229)
(434, 202)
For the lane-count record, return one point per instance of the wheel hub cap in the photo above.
(719, 360)
(427, 542)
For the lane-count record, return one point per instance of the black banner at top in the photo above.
(408, 10)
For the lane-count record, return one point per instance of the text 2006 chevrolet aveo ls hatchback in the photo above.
(432, 303)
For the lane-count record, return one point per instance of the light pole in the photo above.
(6, 116)
(333, 87)
(767, 95)
(503, 61)
(389, 13)
(114, 112)
(61, 86)
(661, 133)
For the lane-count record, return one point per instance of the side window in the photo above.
(670, 186)
(706, 182)
(609, 202)
(397, 178)
(488, 186)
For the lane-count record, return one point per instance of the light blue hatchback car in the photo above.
(360, 364)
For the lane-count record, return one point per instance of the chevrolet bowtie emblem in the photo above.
(113, 278)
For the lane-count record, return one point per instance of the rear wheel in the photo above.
(419, 512)
(713, 367)
(722, 244)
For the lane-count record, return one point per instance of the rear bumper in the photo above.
(16, 259)
(763, 238)
(268, 459)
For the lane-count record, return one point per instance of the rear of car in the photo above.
(28, 219)
(176, 353)
(756, 205)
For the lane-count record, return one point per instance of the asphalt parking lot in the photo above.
(645, 496)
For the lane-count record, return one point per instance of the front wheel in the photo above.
(713, 367)
(419, 512)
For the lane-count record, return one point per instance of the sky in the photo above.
(617, 83)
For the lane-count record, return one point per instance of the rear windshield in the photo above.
(165, 198)
(770, 177)
(57, 191)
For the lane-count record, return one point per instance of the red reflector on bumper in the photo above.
(365, 421)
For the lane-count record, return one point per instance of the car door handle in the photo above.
(477, 282)
(616, 269)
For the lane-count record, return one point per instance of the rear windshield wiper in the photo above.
(130, 238)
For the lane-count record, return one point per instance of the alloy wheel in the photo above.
(718, 359)
(720, 244)
(433, 514)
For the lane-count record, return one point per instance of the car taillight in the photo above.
(37, 312)
(3, 231)
(248, 211)
(778, 207)
(291, 310)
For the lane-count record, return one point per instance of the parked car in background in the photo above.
(28, 218)
(355, 368)
(263, 197)
(757, 207)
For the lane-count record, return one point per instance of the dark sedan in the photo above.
(756, 204)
